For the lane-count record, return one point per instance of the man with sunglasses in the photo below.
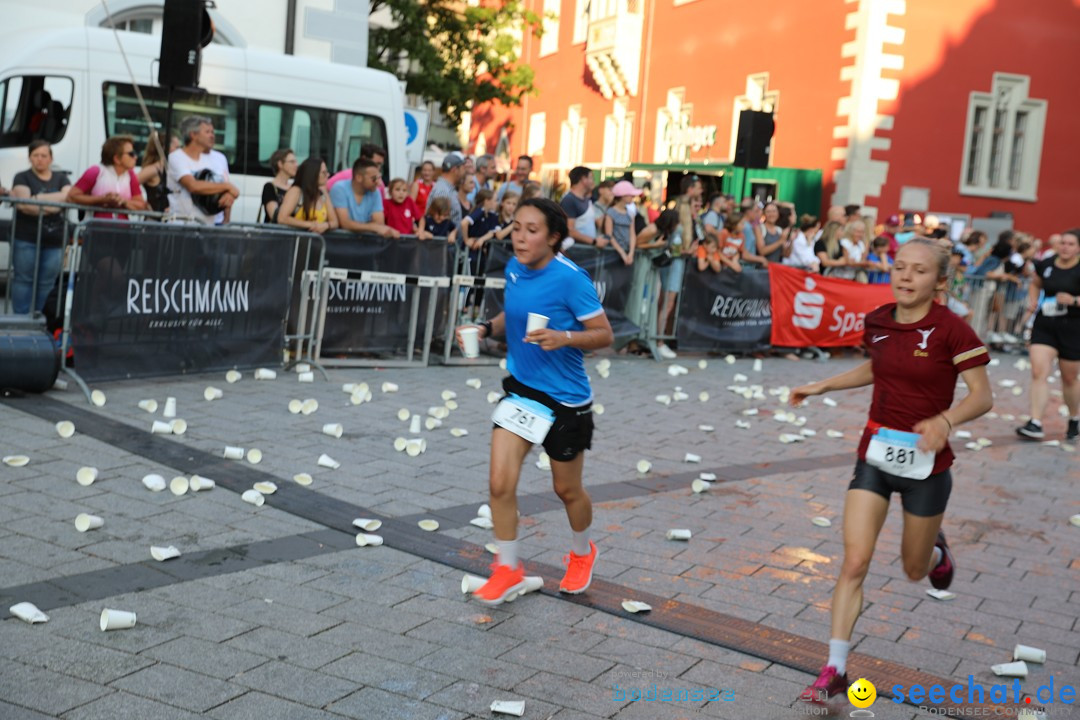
(113, 183)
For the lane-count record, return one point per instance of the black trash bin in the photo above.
(29, 358)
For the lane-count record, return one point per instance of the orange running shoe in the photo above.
(579, 568)
(504, 582)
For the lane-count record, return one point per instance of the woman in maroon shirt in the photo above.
(917, 349)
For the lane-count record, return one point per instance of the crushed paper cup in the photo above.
(367, 524)
(428, 525)
(170, 408)
(432, 423)
(200, 484)
(1075, 520)
(389, 387)
(605, 374)
(1017, 669)
(598, 409)
(309, 406)
(149, 406)
(1008, 417)
(65, 429)
(508, 707)
(265, 374)
(603, 364)
(414, 447)
(368, 540)
(86, 521)
(414, 425)
(940, 594)
(676, 370)
(459, 432)
(830, 402)
(797, 422)
(1018, 391)
(213, 393)
(644, 466)
(679, 396)
(358, 398)
(1007, 383)
(702, 364)
(179, 485)
(471, 583)
(305, 377)
(635, 606)
(302, 479)
(742, 424)
(543, 462)
(295, 406)
(807, 432)
(984, 442)
(1051, 443)
(154, 482)
(729, 359)
(706, 428)
(700, 486)
(254, 456)
(703, 396)
(400, 444)
(328, 462)
(494, 397)
(333, 430)
(265, 487)
(86, 476)
(962, 435)
(233, 376)
(739, 378)
(678, 534)
(1029, 654)
(707, 476)
(16, 460)
(161, 554)
(691, 458)
(448, 395)
(663, 399)
(28, 612)
(1068, 448)
(178, 426)
(160, 427)
(484, 511)
(834, 433)
(492, 548)
(116, 620)
(821, 521)
(98, 398)
(451, 405)
(1063, 411)
(254, 497)
(974, 446)
(482, 522)
(788, 438)
(474, 383)
(348, 388)
(233, 453)
(403, 414)
(750, 412)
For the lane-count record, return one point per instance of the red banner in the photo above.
(812, 310)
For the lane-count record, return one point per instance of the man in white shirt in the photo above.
(198, 177)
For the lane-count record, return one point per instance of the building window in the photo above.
(758, 96)
(537, 134)
(549, 41)
(581, 21)
(618, 134)
(1006, 166)
(572, 138)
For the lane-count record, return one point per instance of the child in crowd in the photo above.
(709, 255)
(731, 242)
(401, 211)
(619, 222)
(879, 264)
(437, 222)
(479, 228)
(507, 208)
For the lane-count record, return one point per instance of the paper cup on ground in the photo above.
(459, 432)
(234, 453)
(429, 525)
(116, 620)
(198, 483)
(821, 521)
(254, 456)
(940, 594)
(492, 548)
(98, 398)
(170, 408)
(474, 383)
(414, 424)
(86, 476)
(302, 368)
(28, 612)
(1014, 669)
(635, 606)
(149, 406)
(644, 466)
(160, 427)
(508, 707)
(1029, 654)
(154, 483)
(213, 393)
(830, 402)
(389, 387)
(691, 458)
(484, 511)
(432, 423)
(233, 376)
(536, 321)
(470, 341)
(403, 414)
(707, 476)
(161, 554)
(471, 583)
(367, 524)
(482, 522)
(65, 429)
(265, 374)
(400, 444)
(494, 397)
(178, 426)
(328, 462)
(302, 479)
(414, 447)
(448, 395)
(309, 406)
(333, 429)
(306, 377)
(84, 522)
(700, 486)
(543, 462)
(265, 487)
(1075, 520)
(179, 485)
(295, 406)
(679, 534)
(367, 540)
(254, 497)
(16, 460)
(532, 584)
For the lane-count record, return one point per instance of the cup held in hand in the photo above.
(470, 341)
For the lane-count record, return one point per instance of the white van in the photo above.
(71, 87)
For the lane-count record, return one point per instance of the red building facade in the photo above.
(963, 107)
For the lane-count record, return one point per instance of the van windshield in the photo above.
(34, 107)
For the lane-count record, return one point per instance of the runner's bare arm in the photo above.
(860, 376)
(597, 334)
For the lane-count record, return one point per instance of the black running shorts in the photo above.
(1061, 333)
(924, 498)
(573, 428)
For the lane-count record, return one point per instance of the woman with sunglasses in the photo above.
(114, 183)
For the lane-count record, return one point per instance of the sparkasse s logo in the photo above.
(809, 307)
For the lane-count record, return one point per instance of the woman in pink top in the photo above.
(113, 183)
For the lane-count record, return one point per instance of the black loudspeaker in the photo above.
(186, 30)
(754, 138)
(29, 359)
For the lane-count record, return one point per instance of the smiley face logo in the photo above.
(862, 693)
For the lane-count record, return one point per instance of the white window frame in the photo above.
(581, 22)
(618, 134)
(537, 139)
(986, 173)
(549, 41)
(676, 112)
(572, 138)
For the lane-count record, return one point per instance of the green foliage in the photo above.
(453, 53)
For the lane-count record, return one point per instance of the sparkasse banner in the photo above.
(814, 311)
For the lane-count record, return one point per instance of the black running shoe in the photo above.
(1074, 430)
(941, 576)
(1031, 431)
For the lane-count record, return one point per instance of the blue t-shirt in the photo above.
(481, 222)
(342, 196)
(439, 229)
(877, 277)
(566, 294)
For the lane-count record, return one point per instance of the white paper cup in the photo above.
(439, 412)
(295, 406)
(707, 476)
(470, 341)
(116, 620)
(432, 423)
(84, 522)
(160, 427)
(233, 376)
(161, 554)
(328, 462)
(309, 406)
(494, 397)
(86, 476)
(213, 393)
(368, 540)
(198, 483)
(178, 426)
(16, 460)
(508, 707)
(348, 388)
(536, 321)
(448, 395)
(302, 368)
(265, 487)
(149, 406)
(98, 398)
(65, 429)
(367, 524)
(154, 482)
(179, 485)
(333, 429)
(234, 453)
(700, 486)
(484, 511)
(414, 447)
(403, 414)
(482, 522)
(471, 583)
(414, 424)
(389, 387)
(428, 525)
(691, 458)
(28, 612)
(306, 377)
(1029, 654)
(474, 383)
(635, 606)
(302, 479)
(644, 466)
(1014, 669)
(170, 408)
(254, 456)
(400, 444)
(532, 584)
(459, 432)
(679, 534)
(265, 374)
(254, 497)
(60, 384)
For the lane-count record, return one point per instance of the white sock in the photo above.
(935, 560)
(508, 552)
(1037, 423)
(838, 650)
(579, 545)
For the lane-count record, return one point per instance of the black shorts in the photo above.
(573, 428)
(1060, 333)
(924, 498)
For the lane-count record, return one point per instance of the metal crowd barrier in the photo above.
(460, 285)
(996, 309)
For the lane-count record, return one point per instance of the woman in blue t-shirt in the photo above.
(548, 397)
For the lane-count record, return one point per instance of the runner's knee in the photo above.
(855, 566)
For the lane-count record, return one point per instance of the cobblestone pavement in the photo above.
(273, 612)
